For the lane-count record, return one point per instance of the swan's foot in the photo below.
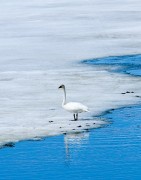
(75, 117)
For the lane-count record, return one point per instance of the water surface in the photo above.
(127, 64)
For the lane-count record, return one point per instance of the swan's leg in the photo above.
(77, 116)
(74, 116)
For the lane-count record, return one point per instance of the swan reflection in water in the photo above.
(76, 140)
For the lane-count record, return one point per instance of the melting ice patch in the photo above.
(31, 102)
(31, 106)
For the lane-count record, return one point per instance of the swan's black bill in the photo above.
(62, 86)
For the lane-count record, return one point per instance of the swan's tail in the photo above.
(87, 110)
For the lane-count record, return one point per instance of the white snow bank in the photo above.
(31, 102)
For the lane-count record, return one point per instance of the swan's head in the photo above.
(61, 87)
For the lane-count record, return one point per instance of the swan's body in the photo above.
(73, 107)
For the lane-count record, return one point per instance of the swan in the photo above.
(72, 107)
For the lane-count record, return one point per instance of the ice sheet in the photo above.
(41, 45)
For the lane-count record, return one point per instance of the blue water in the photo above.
(129, 64)
(111, 152)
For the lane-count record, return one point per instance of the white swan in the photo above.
(73, 107)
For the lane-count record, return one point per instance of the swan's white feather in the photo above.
(75, 107)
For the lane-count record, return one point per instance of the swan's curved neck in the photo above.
(64, 98)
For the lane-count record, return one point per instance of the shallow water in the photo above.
(112, 152)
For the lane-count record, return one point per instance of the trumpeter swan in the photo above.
(72, 107)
